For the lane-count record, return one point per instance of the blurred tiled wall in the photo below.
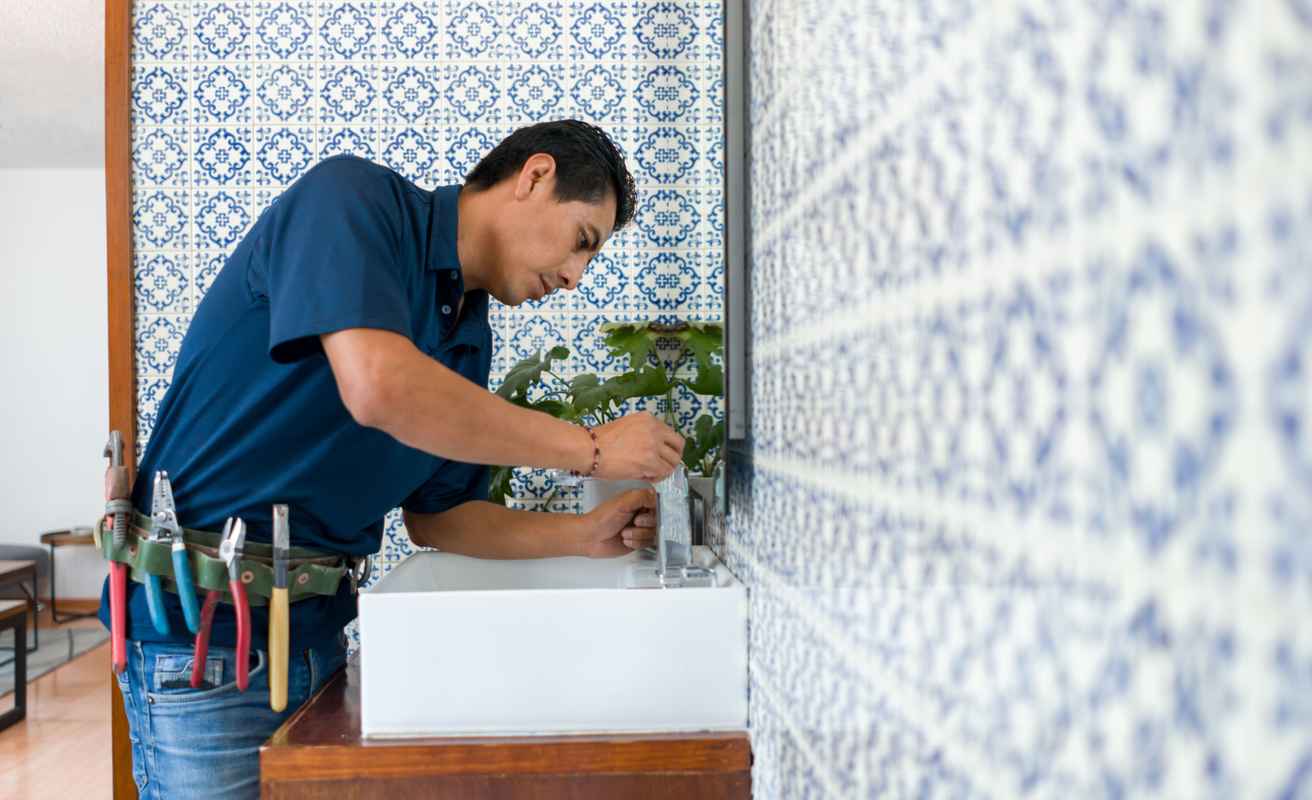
(1029, 512)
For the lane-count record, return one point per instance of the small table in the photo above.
(19, 572)
(319, 753)
(65, 538)
(13, 616)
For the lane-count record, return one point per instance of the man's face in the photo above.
(544, 244)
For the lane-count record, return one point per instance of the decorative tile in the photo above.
(205, 267)
(596, 89)
(472, 92)
(535, 92)
(362, 142)
(158, 338)
(666, 155)
(348, 31)
(535, 32)
(472, 29)
(222, 217)
(668, 93)
(161, 219)
(599, 30)
(160, 95)
(286, 94)
(284, 31)
(411, 95)
(416, 153)
(1024, 461)
(159, 33)
(222, 93)
(163, 283)
(282, 154)
(222, 157)
(221, 31)
(160, 155)
(350, 93)
(412, 30)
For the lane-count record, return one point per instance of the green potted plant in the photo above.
(694, 349)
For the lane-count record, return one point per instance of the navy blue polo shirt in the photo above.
(253, 416)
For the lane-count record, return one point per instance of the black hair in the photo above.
(587, 163)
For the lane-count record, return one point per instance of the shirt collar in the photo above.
(442, 254)
(444, 259)
(472, 330)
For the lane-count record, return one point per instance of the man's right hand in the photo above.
(637, 447)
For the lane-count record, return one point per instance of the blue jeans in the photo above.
(205, 742)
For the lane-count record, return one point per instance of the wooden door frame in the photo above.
(118, 245)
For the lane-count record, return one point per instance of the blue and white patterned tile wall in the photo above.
(1030, 501)
(233, 100)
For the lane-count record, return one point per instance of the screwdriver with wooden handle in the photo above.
(278, 612)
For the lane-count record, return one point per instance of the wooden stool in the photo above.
(65, 538)
(13, 616)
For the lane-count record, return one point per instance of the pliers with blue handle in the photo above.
(165, 515)
(154, 587)
(230, 549)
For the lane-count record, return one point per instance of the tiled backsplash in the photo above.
(1029, 505)
(233, 100)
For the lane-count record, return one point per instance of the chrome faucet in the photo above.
(676, 513)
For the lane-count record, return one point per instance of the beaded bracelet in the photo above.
(596, 456)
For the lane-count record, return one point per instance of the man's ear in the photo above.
(537, 168)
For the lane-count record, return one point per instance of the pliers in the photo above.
(117, 508)
(230, 549)
(165, 515)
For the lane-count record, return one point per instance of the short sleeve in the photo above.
(453, 483)
(331, 258)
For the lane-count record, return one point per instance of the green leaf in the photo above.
(589, 393)
(499, 486)
(528, 372)
(709, 380)
(553, 407)
(707, 436)
(704, 340)
(520, 376)
(646, 382)
(583, 382)
(632, 341)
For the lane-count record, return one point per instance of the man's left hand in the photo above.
(620, 525)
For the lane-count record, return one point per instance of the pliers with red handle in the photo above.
(118, 507)
(234, 536)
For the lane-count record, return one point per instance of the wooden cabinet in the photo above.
(319, 753)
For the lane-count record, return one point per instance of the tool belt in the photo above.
(309, 572)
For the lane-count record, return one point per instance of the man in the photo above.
(339, 365)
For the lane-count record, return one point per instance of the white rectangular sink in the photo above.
(451, 645)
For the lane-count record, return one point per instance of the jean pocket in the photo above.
(172, 673)
(169, 676)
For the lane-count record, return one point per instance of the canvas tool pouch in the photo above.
(309, 572)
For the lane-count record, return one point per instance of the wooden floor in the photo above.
(62, 748)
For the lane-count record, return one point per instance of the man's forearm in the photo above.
(429, 407)
(486, 530)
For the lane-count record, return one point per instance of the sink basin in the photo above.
(451, 645)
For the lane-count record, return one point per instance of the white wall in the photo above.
(55, 404)
(52, 95)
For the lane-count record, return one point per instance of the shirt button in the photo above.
(446, 309)
(454, 274)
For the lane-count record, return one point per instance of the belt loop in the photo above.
(359, 570)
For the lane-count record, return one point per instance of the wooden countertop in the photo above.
(319, 753)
